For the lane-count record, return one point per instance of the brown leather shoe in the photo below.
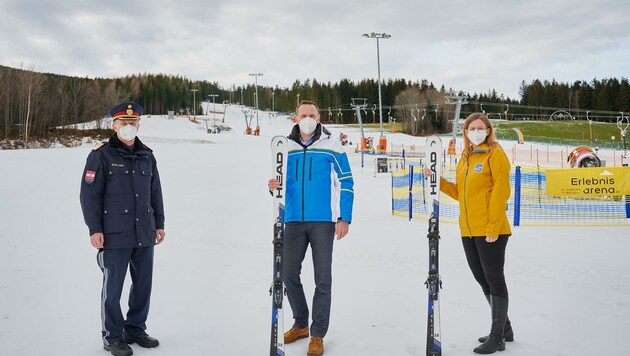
(316, 346)
(294, 334)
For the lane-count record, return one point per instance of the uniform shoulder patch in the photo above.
(89, 176)
(98, 146)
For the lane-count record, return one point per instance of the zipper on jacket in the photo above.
(466, 204)
(303, 179)
(133, 185)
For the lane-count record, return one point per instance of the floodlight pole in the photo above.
(256, 75)
(378, 36)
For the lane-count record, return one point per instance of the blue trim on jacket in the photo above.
(319, 184)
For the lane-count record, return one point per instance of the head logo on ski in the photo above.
(280, 159)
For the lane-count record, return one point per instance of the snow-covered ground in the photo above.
(569, 287)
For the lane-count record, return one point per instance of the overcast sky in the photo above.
(473, 46)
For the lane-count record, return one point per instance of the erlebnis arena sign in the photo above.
(588, 182)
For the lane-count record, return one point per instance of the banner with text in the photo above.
(588, 182)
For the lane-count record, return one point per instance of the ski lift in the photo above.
(248, 123)
(374, 114)
(436, 112)
(424, 114)
(623, 128)
(590, 125)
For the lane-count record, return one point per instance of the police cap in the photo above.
(129, 111)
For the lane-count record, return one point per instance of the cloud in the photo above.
(471, 46)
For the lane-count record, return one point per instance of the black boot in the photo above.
(509, 333)
(142, 340)
(119, 348)
(496, 339)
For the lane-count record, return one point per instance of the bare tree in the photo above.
(32, 121)
(406, 101)
(109, 96)
(76, 90)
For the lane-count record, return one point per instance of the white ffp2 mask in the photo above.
(477, 136)
(307, 125)
(128, 132)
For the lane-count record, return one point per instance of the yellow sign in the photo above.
(589, 182)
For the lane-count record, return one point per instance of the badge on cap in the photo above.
(90, 176)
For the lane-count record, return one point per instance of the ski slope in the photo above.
(569, 287)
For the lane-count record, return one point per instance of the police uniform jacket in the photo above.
(121, 195)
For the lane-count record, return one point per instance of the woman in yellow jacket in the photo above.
(482, 189)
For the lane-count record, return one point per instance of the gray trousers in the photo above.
(297, 237)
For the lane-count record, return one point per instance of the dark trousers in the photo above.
(297, 237)
(486, 261)
(113, 263)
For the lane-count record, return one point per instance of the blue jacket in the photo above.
(121, 195)
(319, 184)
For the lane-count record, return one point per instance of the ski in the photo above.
(432, 197)
(278, 169)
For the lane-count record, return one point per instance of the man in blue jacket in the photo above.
(318, 207)
(121, 199)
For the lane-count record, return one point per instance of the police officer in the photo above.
(121, 199)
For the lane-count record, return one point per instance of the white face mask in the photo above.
(477, 136)
(307, 125)
(128, 132)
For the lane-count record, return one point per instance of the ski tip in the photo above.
(278, 141)
(434, 140)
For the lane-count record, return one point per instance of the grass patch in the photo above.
(569, 132)
(574, 132)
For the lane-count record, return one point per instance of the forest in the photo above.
(35, 105)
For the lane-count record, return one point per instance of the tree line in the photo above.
(36, 104)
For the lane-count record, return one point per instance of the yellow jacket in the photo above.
(482, 188)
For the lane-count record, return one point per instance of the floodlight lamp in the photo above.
(365, 35)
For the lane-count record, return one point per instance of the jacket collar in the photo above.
(320, 131)
(138, 146)
(481, 148)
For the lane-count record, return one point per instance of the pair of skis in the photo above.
(433, 282)
(434, 163)
(279, 153)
